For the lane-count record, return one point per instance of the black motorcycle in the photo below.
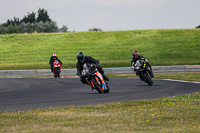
(94, 78)
(143, 71)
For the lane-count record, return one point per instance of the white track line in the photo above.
(180, 81)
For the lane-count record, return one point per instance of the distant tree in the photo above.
(3, 29)
(43, 16)
(53, 26)
(30, 23)
(39, 27)
(63, 29)
(46, 27)
(198, 26)
(15, 28)
(23, 27)
(16, 21)
(10, 29)
(95, 29)
(29, 18)
(8, 23)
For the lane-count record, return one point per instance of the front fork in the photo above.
(90, 83)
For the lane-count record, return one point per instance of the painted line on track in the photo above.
(180, 81)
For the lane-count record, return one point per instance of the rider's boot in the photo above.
(151, 73)
(140, 77)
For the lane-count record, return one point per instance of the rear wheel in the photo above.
(148, 79)
(96, 85)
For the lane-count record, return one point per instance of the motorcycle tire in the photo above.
(58, 75)
(97, 86)
(108, 89)
(148, 79)
(57, 71)
(55, 75)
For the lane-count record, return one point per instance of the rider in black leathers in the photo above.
(136, 57)
(85, 59)
(52, 59)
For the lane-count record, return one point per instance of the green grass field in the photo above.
(112, 49)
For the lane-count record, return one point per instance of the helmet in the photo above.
(81, 57)
(54, 56)
(135, 54)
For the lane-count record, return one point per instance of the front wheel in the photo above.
(148, 79)
(108, 89)
(57, 72)
(55, 75)
(96, 85)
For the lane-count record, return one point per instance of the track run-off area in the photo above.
(33, 93)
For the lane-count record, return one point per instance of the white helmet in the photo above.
(54, 54)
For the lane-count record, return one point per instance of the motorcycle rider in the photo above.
(52, 59)
(87, 59)
(136, 57)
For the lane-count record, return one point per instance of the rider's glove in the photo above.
(97, 65)
(146, 61)
(133, 68)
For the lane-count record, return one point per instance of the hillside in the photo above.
(112, 49)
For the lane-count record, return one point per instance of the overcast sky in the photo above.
(109, 15)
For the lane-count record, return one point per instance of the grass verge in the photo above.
(173, 114)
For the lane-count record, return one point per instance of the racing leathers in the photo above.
(140, 57)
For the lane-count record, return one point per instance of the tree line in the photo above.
(31, 23)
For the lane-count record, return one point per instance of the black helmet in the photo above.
(81, 57)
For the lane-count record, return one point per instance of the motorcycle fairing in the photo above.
(103, 86)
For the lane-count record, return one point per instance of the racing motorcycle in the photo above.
(143, 71)
(94, 78)
(56, 69)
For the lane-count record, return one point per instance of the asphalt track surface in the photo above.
(33, 93)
